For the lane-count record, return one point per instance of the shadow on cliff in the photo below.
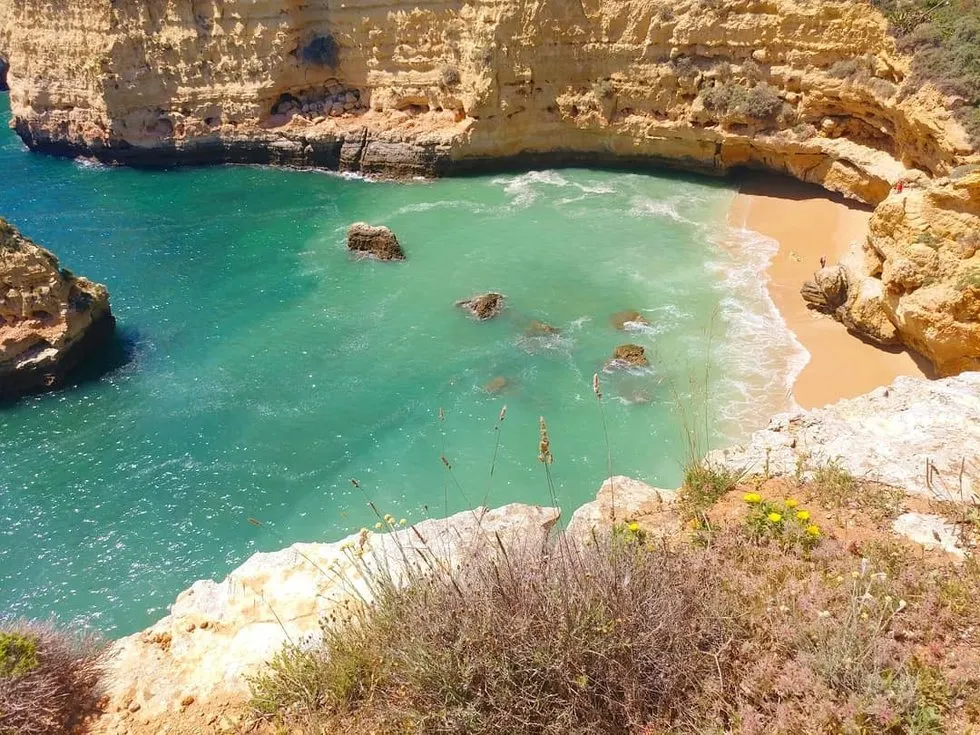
(118, 353)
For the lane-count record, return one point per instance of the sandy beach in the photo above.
(808, 224)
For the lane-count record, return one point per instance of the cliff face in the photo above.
(812, 89)
(49, 318)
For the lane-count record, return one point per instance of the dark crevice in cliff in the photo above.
(4, 68)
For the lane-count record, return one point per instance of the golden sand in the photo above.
(808, 224)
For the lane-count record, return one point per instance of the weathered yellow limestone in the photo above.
(442, 87)
(50, 319)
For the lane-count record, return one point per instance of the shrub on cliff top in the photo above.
(48, 678)
(944, 38)
(607, 638)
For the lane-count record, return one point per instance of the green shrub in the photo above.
(760, 102)
(944, 39)
(704, 483)
(48, 678)
(18, 654)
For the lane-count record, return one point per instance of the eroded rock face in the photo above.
(50, 319)
(218, 633)
(920, 435)
(4, 66)
(923, 249)
(379, 242)
(827, 291)
(483, 306)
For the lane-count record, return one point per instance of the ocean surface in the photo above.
(260, 368)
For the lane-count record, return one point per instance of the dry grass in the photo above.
(48, 678)
(743, 634)
(611, 637)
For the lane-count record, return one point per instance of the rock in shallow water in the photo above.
(483, 306)
(50, 319)
(628, 355)
(379, 242)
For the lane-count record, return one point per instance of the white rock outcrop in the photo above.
(920, 435)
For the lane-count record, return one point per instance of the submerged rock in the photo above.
(496, 385)
(621, 319)
(50, 319)
(540, 329)
(628, 355)
(379, 241)
(483, 306)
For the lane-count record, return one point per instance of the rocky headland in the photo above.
(50, 319)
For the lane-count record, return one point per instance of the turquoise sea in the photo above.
(260, 367)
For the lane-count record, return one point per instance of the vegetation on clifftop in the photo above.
(48, 678)
(784, 606)
(944, 38)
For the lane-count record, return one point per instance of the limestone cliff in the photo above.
(50, 319)
(815, 89)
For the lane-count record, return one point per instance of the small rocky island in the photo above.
(378, 242)
(50, 319)
(483, 306)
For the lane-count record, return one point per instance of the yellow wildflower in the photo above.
(633, 526)
(403, 522)
(774, 517)
(803, 515)
(752, 498)
(792, 502)
(377, 526)
(813, 530)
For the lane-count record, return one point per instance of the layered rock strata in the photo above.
(816, 90)
(50, 319)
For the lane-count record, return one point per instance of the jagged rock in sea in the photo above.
(377, 241)
(622, 319)
(483, 306)
(540, 329)
(628, 355)
(50, 319)
(496, 385)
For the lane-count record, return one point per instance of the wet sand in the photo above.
(808, 224)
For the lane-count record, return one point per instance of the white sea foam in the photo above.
(523, 188)
(641, 206)
(762, 356)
